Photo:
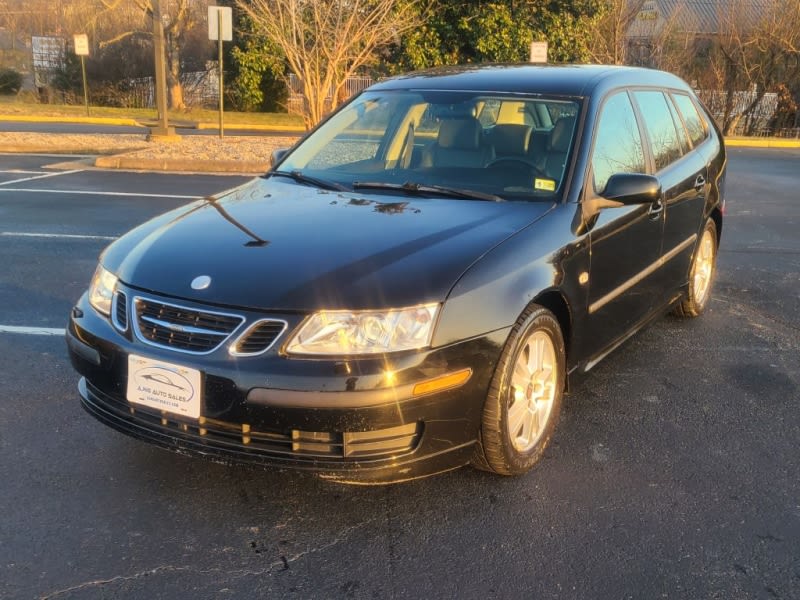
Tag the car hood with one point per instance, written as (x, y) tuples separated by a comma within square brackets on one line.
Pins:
[(278, 245)]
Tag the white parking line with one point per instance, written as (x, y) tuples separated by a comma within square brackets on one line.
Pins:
[(56, 174), (93, 193), (68, 236), (31, 330), (21, 172)]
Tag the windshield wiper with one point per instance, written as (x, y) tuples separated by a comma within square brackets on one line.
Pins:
[(300, 177), (423, 189)]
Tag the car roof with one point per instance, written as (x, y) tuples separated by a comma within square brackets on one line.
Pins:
[(561, 80)]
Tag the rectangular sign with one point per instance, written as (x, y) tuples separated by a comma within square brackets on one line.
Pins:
[(81, 42), (48, 52), (164, 386), (220, 15), (538, 52)]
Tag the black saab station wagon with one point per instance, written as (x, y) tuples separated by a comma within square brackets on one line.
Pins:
[(410, 287)]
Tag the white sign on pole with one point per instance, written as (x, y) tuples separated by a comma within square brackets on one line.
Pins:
[(81, 41), (538, 52), (220, 19)]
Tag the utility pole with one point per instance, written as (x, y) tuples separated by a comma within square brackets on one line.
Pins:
[(162, 129)]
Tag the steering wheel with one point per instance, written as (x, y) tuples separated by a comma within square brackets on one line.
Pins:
[(514, 161)]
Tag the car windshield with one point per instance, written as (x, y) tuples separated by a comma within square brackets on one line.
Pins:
[(458, 144)]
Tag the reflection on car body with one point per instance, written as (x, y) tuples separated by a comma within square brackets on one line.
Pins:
[(412, 286)]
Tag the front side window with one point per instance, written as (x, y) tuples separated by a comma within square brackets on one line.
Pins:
[(660, 126), (484, 142), (618, 144)]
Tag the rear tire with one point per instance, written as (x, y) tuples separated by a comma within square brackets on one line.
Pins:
[(701, 274), (524, 400)]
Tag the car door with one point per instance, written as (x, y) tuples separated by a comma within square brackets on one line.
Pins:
[(625, 242), (682, 173)]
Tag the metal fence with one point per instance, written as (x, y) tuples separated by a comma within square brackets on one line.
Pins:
[(295, 103), (200, 89), (758, 119)]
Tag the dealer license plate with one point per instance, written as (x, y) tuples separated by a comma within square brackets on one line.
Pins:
[(164, 386)]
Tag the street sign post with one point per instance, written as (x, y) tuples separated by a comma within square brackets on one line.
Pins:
[(81, 43), (220, 28)]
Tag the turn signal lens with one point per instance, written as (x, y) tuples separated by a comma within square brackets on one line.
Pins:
[(342, 333), (101, 290), (445, 382)]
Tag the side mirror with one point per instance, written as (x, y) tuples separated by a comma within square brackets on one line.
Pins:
[(632, 188), (622, 189), (277, 156)]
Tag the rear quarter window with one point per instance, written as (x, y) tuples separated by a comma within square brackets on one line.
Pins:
[(695, 125)]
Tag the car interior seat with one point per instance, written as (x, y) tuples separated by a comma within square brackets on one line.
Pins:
[(537, 147), (458, 144), (510, 140), (558, 147)]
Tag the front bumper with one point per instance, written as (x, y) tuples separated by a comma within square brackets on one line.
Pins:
[(356, 421)]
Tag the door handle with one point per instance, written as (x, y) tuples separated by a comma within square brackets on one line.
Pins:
[(656, 208), (699, 183)]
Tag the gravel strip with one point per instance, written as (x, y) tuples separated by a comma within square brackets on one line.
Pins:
[(65, 143), (194, 148), (209, 147)]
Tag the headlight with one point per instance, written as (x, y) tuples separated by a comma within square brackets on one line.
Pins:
[(365, 332), (101, 290)]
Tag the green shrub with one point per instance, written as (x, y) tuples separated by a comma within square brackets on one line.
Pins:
[(10, 81)]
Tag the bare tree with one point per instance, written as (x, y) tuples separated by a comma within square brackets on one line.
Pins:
[(608, 33), (753, 52), (326, 41), (180, 17)]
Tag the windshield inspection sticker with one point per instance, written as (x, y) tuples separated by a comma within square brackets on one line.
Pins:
[(548, 185), (164, 386)]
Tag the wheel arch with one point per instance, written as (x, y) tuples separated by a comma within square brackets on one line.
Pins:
[(556, 303), (716, 214)]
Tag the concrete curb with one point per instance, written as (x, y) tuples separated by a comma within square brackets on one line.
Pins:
[(297, 130), (132, 163), (761, 143), (80, 120), (51, 149)]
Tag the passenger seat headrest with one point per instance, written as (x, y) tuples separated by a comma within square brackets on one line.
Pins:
[(511, 139), (464, 134)]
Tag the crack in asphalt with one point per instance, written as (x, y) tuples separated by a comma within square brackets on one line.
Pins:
[(736, 302), (285, 561), (758, 251), (101, 582), (283, 564)]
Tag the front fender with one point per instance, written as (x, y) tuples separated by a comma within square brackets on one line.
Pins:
[(493, 292)]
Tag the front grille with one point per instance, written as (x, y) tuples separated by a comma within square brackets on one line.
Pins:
[(120, 311), (181, 328), (310, 445), (259, 338)]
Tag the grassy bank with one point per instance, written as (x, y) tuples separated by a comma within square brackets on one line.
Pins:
[(20, 106)]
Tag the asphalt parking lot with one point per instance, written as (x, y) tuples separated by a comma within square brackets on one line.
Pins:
[(674, 472)]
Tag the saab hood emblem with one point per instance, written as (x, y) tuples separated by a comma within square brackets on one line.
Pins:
[(201, 282)]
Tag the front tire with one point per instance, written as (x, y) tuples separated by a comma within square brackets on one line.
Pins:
[(701, 274), (524, 400)]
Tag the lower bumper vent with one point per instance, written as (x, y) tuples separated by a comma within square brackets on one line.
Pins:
[(380, 443)]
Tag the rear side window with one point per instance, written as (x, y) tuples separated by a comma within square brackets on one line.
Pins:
[(618, 145), (660, 127), (692, 119)]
